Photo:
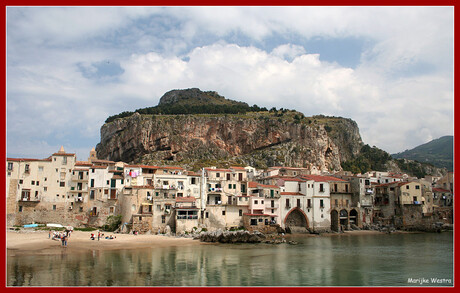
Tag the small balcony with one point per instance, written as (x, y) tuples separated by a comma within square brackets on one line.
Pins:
[(78, 199), (30, 199)]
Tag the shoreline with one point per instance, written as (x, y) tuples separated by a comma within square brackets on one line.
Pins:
[(31, 242), (38, 243)]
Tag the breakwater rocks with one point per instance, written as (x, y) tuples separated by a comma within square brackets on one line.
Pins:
[(232, 237)]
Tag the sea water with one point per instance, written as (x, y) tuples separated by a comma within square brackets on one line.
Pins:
[(419, 259)]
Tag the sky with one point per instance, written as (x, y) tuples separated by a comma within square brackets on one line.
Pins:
[(390, 69)]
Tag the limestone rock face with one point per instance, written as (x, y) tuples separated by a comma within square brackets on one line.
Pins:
[(257, 139)]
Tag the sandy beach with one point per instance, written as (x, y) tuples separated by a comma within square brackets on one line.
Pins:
[(37, 242)]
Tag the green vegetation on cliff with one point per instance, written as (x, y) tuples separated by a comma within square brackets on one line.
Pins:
[(370, 158)]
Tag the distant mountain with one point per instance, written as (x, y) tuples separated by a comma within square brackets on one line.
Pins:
[(438, 152)]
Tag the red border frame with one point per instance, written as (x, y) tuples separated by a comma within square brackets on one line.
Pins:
[(221, 3)]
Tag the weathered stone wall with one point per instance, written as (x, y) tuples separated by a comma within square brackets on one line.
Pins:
[(11, 203), (411, 217), (142, 226)]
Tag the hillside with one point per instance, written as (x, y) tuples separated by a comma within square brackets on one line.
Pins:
[(253, 136), (438, 152)]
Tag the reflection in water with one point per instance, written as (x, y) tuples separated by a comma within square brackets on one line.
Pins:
[(368, 260)]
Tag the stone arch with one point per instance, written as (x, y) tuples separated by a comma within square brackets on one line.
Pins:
[(354, 217), (335, 221), (296, 218), (343, 215)]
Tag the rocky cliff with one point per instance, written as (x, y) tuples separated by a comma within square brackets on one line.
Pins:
[(260, 139)]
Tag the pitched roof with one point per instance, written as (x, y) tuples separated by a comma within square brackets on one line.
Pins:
[(237, 168), (440, 190), (185, 199), (23, 160), (268, 186), (291, 193), (82, 163), (252, 184)]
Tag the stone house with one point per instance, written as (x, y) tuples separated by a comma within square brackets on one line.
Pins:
[(446, 182), (442, 197)]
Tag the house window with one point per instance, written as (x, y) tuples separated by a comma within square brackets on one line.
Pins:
[(321, 203), (45, 188), (64, 161), (228, 176), (229, 186), (417, 186), (163, 219), (223, 213), (33, 182), (272, 204), (309, 203), (321, 187), (91, 194), (234, 186), (38, 183), (54, 207), (27, 168), (20, 209), (256, 202), (207, 215), (62, 184), (192, 180), (260, 220), (240, 213), (253, 222), (407, 186), (20, 181), (10, 166), (92, 182), (287, 203), (298, 203), (80, 209), (217, 175), (111, 210), (25, 194)]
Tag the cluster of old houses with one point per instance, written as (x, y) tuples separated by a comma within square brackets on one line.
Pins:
[(61, 189)]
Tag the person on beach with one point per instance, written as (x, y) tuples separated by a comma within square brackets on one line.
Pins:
[(63, 241), (98, 235), (49, 235)]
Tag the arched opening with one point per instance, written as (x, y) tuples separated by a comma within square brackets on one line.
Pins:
[(335, 221), (354, 217), (344, 219), (296, 221)]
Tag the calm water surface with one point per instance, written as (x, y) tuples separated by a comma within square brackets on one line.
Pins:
[(362, 260)]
